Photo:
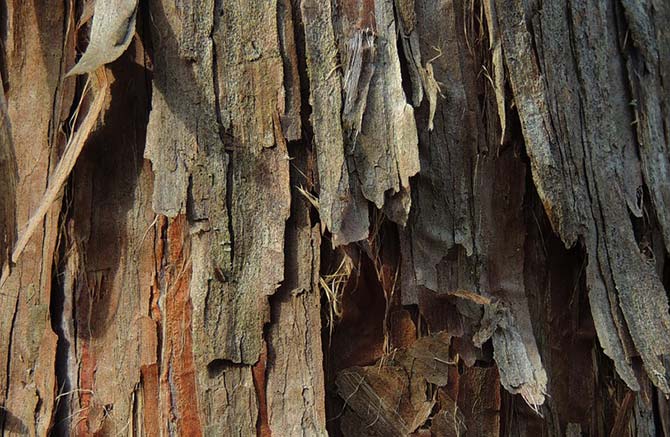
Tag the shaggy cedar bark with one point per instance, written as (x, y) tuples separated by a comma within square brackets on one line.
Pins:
[(356, 217)]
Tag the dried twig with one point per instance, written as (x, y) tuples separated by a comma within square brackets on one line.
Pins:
[(64, 168)]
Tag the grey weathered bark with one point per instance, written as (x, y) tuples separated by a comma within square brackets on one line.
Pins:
[(355, 217)]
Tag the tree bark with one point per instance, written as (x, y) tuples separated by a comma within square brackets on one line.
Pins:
[(355, 217)]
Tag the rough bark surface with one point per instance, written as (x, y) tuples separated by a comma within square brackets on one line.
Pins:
[(351, 217)]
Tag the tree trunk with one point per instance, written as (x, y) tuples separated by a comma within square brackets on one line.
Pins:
[(356, 218)]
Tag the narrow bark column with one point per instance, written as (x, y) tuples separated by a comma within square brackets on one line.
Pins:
[(38, 104), (251, 100), (295, 377), (108, 264), (7, 182), (190, 188), (342, 207), (216, 143)]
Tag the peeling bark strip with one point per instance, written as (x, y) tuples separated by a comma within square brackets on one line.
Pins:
[(517, 358), (580, 140), (442, 210), (290, 119), (381, 131), (221, 185), (467, 196), (341, 204), (498, 73), (360, 66), (295, 386), (647, 58), (206, 71), (379, 152), (250, 89), (183, 120)]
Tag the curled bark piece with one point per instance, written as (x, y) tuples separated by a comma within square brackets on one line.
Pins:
[(384, 401), (111, 32)]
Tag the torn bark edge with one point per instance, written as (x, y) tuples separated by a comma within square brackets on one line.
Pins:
[(517, 373)]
